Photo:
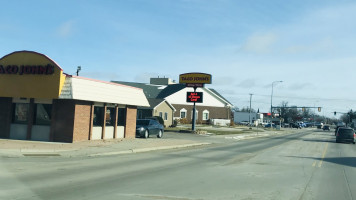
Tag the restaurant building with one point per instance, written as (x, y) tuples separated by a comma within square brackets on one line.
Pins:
[(40, 102)]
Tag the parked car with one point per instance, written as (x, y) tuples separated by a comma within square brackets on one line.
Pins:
[(326, 128), (147, 127), (295, 125), (269, 125), (345, 134)]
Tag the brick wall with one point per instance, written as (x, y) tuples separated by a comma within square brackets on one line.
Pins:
[(62, 120), (214, 112), (130, 129), (81, 121), (5, 116)]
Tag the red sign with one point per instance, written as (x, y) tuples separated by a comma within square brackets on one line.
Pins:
[(196, 97)]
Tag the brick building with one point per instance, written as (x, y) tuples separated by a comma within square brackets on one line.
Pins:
[(214, 105), (39, 102)]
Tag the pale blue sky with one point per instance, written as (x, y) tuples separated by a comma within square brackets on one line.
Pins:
[(245, 45)]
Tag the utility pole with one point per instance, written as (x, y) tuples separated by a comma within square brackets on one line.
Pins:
[(249, 116)]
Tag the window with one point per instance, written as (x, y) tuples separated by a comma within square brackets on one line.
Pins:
[(121, 118), (139, 114), (20, 113), (43, 114), (205, 115), (165, 116), (161, 115), (183, 113), (110, 116), (98, 116)]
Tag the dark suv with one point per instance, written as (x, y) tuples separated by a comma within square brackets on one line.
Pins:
[(345, 134)]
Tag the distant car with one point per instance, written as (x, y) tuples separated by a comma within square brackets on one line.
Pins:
[(147, 127), (269, 126), (326, 128), (345, 134), (295, 125)]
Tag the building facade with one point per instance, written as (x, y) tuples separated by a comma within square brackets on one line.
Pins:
[(40, 102)]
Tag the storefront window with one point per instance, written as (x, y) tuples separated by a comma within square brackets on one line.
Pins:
[(98, 116), (139, 114), (121, 117), (20, 113), (110, 116), (43, 114)]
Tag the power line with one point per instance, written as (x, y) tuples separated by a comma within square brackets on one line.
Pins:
[(298, 97)]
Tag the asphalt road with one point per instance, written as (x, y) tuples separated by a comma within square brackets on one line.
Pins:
[(305, 165)]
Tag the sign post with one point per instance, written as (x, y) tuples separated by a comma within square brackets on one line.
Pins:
[(195, 80)]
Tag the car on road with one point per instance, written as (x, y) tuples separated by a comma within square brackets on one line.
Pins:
[(147, 127), (337, 128), (326, 128), (345, 134)]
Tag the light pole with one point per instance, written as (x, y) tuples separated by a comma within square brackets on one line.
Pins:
[(272, 96)]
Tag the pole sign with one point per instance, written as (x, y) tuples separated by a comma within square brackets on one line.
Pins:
[(194, 80), (194, 97)]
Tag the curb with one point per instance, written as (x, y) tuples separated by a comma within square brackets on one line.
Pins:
[(141, 150)]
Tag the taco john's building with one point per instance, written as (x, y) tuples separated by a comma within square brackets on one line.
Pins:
[(39, 102)]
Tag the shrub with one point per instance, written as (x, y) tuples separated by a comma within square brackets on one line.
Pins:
[(184, 121)]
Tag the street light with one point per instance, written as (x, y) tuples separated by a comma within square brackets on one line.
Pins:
[(272, 95)]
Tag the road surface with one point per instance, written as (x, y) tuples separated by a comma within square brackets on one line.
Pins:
[(304, 165)]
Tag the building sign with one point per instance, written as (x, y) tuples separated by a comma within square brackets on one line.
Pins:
[(27, 69), (195, 78), (28, 74), (194, 97)]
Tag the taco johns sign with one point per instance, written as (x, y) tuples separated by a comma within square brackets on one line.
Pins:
[(27, 69)]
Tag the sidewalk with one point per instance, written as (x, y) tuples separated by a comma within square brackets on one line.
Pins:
[(171, 140), (21, 148)]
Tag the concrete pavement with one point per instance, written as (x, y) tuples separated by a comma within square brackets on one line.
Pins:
[(171, 140)]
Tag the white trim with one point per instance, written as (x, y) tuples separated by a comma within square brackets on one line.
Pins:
[(20, 100), (183, 110), (170, 105), (98, 104), (44, 101), (204, 112)]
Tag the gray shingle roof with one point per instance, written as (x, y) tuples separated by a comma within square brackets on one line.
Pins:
[(163, 91)]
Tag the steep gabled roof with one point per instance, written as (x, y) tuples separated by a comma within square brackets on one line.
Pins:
[(151, 91), (219, 95), (170, 89), (163, 91)]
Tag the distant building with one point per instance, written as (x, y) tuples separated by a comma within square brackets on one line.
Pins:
[(214, 105), (158, 107)]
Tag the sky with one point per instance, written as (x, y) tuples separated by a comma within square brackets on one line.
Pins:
[(244, 45)]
